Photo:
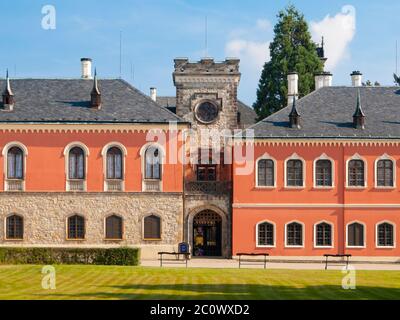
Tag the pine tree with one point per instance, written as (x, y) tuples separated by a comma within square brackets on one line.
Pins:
[(291, 50)]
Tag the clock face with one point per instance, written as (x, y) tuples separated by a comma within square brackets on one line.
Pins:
[(206, 112)]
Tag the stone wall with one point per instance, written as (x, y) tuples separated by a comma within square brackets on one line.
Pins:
[(220, 205), (45, 218)]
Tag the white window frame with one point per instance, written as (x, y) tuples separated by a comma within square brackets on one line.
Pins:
[(385, 157), (332, 235), (6, 148), (303, 234), (274, 226), (357, 157), (324, 157), (86, 151), (161, 227), (104, 152), (295, 156), (265, 157), (143, 163), (377, 235), (364, 235)]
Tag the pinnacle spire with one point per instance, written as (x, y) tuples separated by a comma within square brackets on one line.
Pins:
[(294, 116), (359, 115), (8, 90), (95, 95)]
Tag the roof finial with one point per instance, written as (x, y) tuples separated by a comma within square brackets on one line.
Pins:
[(323, 42), (8, 96), (359, 115), (95, 95), (294, 116), (8, 85)]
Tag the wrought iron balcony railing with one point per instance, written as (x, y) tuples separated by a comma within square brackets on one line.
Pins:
[(217, 188)]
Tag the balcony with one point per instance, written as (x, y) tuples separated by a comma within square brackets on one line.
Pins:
[(114, 185), (214, 188), (76, 185), (151, 185), (14, 185)]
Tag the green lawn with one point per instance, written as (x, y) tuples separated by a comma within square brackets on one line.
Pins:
[(96, 282)]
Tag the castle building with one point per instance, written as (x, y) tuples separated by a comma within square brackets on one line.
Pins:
[(96, 163), (325, 178), (90, 162)]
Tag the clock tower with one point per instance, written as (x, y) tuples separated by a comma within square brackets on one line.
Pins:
[(206, 93)]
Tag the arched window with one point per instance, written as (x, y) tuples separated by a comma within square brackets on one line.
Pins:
[(384, 173), (77, 164), (356, 177), (76, 227), (385, 235), (355, 235), (323, 235), (323, 173), (265, 234), (294, 173), (294, 234), (152, 228), (114, 228), (266, 173), (114, 164), (14, 227), (15, 164), (153, 163)]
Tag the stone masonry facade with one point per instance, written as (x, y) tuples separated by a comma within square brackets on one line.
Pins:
[(45, 218)]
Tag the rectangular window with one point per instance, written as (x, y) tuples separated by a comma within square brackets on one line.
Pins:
[(385, 173), (324, 235), (356, 173), (265, 234), (266, 173), (323, 172), (295, 173), (355, 235), (294, 234)]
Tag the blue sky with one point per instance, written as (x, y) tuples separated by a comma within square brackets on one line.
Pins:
[(361, 35)]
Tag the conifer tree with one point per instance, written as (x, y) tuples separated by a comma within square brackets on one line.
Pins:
[(291, 50)]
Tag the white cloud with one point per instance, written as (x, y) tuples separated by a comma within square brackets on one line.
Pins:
[(338, 32), (263, 24)]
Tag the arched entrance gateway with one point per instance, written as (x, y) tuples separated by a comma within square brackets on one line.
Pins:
[(207, 234)]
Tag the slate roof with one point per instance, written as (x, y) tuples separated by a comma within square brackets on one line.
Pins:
[(247, 114), (328, 113), (68, 101)]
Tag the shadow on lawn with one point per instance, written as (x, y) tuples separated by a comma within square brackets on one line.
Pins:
[(234, 292)]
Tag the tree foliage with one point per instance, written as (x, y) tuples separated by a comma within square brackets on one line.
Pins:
[(291, 50)]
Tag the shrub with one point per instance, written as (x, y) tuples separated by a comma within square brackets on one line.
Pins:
[(117, 256)]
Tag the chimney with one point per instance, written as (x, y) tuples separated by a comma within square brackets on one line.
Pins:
[(356, 79), (293, 87), (153, 94), (8, 95), (86, 64), (323, 79), (95, 101)]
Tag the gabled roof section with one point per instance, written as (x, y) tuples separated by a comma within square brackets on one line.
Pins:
[(327, 113), (68, 101)]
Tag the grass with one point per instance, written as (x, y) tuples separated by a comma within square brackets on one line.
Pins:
[(97, 282)]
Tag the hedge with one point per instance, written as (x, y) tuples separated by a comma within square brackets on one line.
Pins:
[(117, 256)]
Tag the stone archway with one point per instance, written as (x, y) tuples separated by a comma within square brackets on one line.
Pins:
[(217, 223)]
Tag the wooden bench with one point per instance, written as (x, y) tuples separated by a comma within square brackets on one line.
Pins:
[(346, 262), (177, 259), (252, 261)]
